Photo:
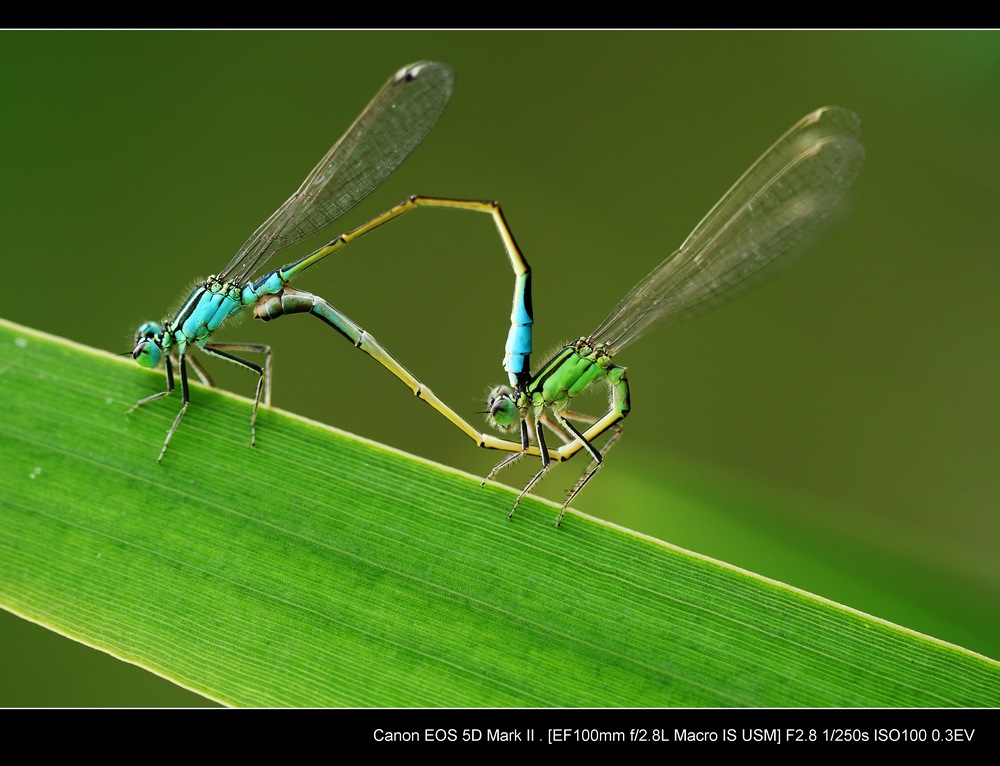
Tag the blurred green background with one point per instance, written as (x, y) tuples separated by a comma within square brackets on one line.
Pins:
[(838, 429)]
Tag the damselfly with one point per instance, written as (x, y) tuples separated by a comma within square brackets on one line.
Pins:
[(784, 195)]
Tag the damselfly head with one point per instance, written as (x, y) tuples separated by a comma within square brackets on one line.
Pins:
[(147, 350), (501, 409)]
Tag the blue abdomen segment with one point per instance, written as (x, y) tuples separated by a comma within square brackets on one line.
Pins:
[(517, 356), (517, 359), (269, 284)]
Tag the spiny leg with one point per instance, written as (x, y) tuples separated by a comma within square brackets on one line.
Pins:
[(185, 398), (546, 463), (263, 374), (621, 406), (597, 455), (574, 437), (168, 366), (253, 348), (518, 454), (214, 349), (558, 430), (619, 410)]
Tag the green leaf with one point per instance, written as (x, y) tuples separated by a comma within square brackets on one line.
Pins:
[(319, 569)]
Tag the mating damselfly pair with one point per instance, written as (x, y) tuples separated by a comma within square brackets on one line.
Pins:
[(784, 195)]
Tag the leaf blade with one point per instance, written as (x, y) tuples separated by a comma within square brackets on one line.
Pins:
[(323, 570)]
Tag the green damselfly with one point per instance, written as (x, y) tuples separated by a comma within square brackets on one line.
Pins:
[(784, 195)]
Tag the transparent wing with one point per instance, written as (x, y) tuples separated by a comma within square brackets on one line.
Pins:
[(393, 124), (782, 197)]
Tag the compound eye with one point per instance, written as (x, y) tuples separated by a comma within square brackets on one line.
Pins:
[(147, 331), (147, 353), (501, 409)]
